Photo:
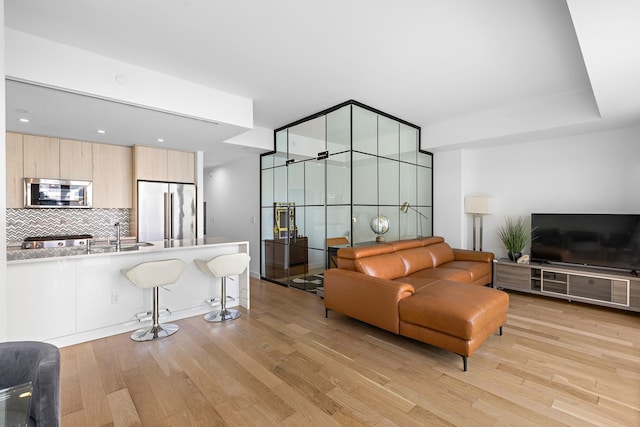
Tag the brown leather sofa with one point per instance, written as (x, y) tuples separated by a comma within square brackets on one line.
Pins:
[(422, 289)]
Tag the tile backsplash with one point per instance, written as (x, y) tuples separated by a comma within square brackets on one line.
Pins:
[(23, 223)]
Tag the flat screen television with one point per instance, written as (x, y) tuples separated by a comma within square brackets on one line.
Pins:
[(600, 240)]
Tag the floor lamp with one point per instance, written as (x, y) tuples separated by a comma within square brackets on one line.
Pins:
[(477, 206)]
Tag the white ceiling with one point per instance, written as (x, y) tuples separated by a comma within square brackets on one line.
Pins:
[(466, 71)]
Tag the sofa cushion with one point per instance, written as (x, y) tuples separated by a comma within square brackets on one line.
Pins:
[(355, 252), (468, 255), (417, 282), (385, 266), (443, 273), (431, 240), (347, 256), (416, 259), (453, 308), (399, 245), (475, 269), (440, 253)]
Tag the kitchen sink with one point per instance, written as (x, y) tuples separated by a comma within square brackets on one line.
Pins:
[(125, 247)]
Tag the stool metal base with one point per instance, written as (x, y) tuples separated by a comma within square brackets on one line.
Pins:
[(163, 330), (222, 315)]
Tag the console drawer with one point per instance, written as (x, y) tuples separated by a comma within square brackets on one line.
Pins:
[(512, 277)]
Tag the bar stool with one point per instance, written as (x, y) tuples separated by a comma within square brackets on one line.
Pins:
[(154, 274), (223, 266)]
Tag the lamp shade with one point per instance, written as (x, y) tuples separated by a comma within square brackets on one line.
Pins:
[(479, 205)]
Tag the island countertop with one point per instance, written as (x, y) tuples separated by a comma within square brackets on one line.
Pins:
[(19, 255)]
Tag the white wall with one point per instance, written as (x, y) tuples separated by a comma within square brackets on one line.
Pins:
[(447, 187), (232, 194), (597, 172)]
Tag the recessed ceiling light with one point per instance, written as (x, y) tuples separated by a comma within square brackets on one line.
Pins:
[(102, 131), (23, 120), (160, 140)]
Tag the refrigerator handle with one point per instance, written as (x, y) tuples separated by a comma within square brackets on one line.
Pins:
[(167, 219), (171, 215)]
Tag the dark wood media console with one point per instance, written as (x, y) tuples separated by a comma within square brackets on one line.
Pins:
[(284, 260)]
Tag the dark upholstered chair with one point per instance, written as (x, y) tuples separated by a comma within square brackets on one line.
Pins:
[(39, 363)]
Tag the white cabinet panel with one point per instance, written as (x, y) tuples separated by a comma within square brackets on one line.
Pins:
[(41, 301), (105, 296)]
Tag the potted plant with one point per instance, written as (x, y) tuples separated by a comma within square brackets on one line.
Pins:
[(515, 234)]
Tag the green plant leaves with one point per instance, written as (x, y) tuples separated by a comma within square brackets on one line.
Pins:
[(515, 233)]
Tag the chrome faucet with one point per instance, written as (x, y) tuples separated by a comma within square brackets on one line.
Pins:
[(117, 227)]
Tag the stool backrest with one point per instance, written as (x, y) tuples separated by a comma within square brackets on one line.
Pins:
[(156, 273), (228, 265)]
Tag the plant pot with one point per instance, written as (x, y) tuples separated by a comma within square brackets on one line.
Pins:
[(514, 256)]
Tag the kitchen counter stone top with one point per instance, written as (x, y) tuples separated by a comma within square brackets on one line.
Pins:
[(19, 255)]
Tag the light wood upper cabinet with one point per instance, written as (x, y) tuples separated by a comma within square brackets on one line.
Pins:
[(15, 183), (112, 176), (41, 156), (180, 166), (76, 160), (150, 163), (109, 167), (159, 164), (54, 158)]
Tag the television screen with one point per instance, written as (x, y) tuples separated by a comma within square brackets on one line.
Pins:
[(603, 240)]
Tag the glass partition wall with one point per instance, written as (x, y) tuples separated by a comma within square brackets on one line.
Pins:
[(349, 175)]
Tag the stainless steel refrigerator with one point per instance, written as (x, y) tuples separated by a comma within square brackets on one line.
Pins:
[(166, 211)]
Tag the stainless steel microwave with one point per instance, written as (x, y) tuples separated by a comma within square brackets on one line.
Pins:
[(57, 193)]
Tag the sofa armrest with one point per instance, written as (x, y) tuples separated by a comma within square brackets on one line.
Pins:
[(38, 362), (366, 298), (467, 255)]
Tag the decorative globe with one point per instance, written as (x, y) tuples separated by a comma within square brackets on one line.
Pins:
[(380, 225)]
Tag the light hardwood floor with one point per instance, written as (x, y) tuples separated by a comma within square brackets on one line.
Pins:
[(283, 363)]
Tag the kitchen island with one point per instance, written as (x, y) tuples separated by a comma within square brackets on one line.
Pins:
[(66, 296)]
